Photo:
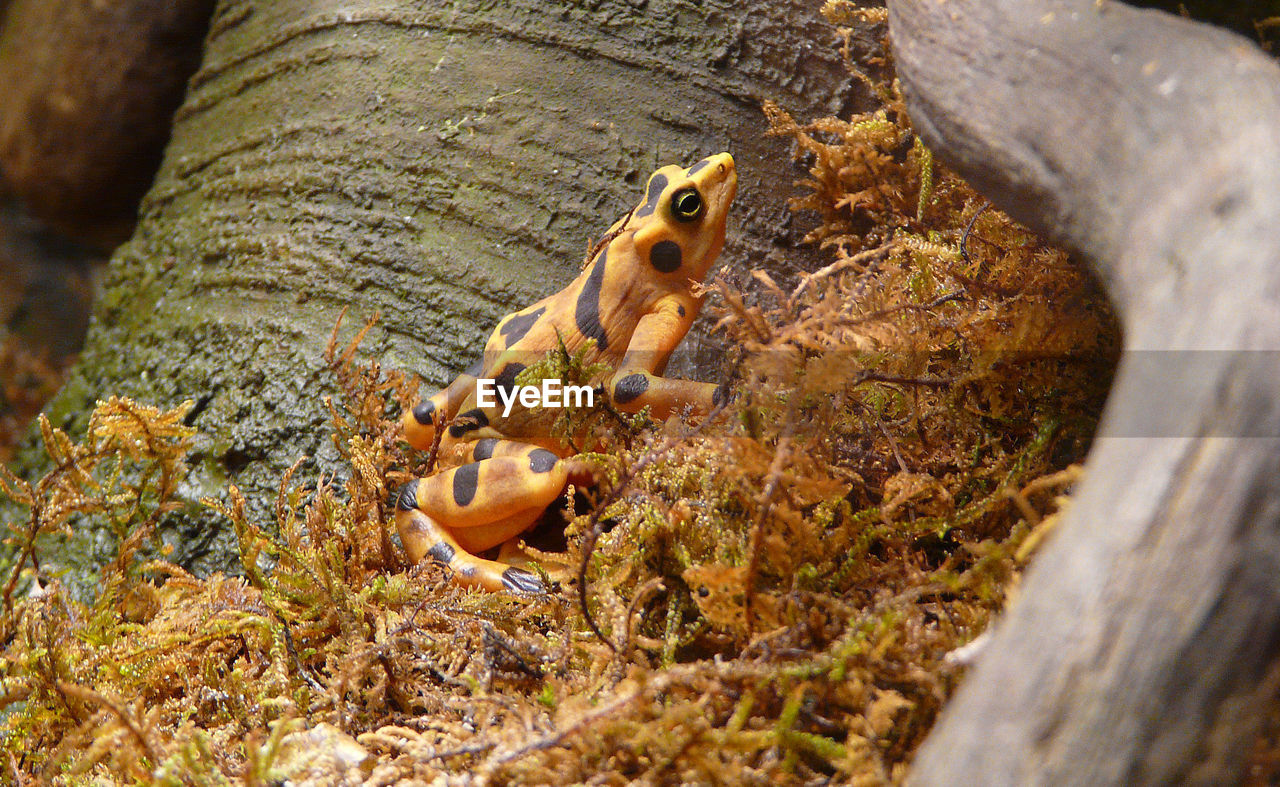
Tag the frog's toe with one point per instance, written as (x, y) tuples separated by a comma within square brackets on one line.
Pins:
[(522, 581)]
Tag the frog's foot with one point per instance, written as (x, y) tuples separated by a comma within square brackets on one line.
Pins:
[(424, 538), (635, 389), (512, 553), (522, 580)]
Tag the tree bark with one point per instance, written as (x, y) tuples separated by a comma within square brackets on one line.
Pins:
[(1143, 646), (437, 163)]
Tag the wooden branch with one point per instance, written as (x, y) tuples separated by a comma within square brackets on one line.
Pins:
[(1143, 647)]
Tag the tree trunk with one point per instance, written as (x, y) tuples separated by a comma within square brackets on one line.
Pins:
[(1143, 646), (437, 163)]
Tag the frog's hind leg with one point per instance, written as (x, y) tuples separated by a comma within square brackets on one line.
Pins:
[(481, 504), (423, 537)]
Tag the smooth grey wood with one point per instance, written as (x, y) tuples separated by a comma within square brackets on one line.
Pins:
[(1142, 646)]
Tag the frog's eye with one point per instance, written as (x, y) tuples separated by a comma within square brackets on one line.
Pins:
[(686, 205)]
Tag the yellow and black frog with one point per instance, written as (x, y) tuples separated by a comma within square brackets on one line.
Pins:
[(628, 310)]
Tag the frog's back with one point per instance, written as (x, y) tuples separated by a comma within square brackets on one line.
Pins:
[(644, 272), (570, 317)]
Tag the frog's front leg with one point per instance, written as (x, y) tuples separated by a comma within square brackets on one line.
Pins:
[(497, 495), (637, 384), (419, 422)]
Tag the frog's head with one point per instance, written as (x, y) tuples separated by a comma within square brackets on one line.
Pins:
[(679, 227)]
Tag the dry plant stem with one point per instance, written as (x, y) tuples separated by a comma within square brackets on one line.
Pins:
[(292, 649), (968, 229), (643, 594), (27, 552), (594, 248), (863, 259), (673, 677), (880, 314), (1151, 146)]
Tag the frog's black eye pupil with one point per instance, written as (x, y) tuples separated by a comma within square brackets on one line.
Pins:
[(686, 205)]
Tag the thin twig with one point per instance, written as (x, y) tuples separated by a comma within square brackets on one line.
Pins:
[(608, 237), (297, 662), (872, 256), (646, 590), (964, 238)]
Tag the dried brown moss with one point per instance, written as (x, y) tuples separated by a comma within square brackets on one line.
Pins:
[(771, 594)]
